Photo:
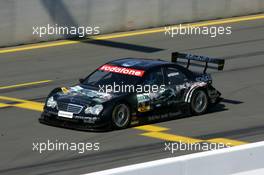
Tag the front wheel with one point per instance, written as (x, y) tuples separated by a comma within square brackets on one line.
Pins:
[(199, 102), (121, 116)]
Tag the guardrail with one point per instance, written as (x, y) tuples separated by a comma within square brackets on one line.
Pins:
[(241, 160), (17, 18)]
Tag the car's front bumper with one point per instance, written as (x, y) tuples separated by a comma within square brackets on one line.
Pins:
[(52, 118)]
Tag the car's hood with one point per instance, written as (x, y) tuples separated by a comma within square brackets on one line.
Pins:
[(85, 96)]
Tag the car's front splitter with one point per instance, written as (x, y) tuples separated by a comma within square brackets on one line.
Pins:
[(75, 124)]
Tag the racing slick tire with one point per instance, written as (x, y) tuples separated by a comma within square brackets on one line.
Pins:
[(121, 116), (199, 102)]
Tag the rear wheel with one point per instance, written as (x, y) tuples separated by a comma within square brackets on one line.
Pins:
[(121, 116), (199, 102)]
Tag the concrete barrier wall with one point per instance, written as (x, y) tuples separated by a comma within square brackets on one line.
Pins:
[(17, 17), (240, 160)]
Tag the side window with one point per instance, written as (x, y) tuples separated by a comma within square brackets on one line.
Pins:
[(154, 77), (174, 76)]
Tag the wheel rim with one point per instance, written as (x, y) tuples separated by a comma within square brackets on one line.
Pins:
[(121, 115), (200, 102)]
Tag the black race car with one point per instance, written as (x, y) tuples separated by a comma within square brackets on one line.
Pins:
[(129, 91)]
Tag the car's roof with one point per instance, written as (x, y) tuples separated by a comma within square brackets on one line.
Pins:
[(139, 63)]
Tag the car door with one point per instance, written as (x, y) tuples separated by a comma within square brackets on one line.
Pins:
[(151, 101), (176, 86)]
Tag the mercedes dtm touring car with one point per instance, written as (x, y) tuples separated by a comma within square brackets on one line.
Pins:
[(126, 91)]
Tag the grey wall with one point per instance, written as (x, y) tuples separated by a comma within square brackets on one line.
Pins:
[(17, 17)]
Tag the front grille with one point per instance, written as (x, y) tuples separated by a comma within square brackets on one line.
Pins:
[(75, 109), (62, 106)]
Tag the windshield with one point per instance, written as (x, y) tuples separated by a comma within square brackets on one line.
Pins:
[(100, 78)]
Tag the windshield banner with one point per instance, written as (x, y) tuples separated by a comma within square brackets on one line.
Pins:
[(122, 70)]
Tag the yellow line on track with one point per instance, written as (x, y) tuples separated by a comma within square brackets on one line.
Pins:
[(25, 84), (26, 104), (198, 24), (177, 138), (35, 106), (2, 105), (229, 142), (152, 131), (151, 128), (37, 46), (157, 132), (171, 137), (132, 33), (13, 99)]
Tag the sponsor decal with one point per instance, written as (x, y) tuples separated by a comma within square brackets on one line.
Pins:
[(143, 97), (130, 63), (199, 58), (143, 102), (134, 123), (65, 90), (158, 117), (173, 74), (122, 70), (76, 88), (205, 78), (143, 107), (97, 96), (65, 114)]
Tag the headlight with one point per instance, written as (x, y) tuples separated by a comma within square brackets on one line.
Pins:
[(51, 102), (95, 110)]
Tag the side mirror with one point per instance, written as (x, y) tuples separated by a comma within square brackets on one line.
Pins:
[(81, 80)]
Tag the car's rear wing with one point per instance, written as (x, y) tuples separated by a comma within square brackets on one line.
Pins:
[(219, 62)]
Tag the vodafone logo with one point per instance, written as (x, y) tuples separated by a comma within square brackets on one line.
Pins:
[(122, 70)]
